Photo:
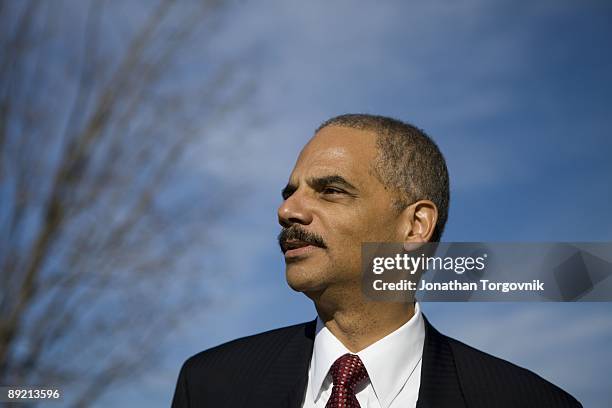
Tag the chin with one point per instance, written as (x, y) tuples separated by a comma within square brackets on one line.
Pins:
[(304, 279)]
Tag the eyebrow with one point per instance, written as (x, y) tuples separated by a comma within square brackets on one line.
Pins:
[(318, 183)]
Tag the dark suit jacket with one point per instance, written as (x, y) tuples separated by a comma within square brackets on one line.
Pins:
[(271, 370)]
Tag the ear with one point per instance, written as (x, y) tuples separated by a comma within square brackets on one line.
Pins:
[(418, 222)]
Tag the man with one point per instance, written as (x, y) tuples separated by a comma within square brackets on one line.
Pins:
[(361, 178)]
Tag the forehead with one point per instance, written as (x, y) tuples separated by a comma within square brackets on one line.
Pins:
[(338, 150)]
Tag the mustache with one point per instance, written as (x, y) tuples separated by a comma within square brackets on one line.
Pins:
[(295, 233)]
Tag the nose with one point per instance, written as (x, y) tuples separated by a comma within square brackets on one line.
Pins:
[(294, 210)]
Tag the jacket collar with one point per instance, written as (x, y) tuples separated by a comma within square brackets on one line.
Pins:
[(439, 379)]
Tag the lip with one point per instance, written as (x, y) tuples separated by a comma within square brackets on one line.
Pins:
[(296, 252)]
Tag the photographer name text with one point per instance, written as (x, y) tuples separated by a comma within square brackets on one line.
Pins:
[(483, 284)]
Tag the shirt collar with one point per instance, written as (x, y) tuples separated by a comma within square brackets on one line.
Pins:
[(390, 361)]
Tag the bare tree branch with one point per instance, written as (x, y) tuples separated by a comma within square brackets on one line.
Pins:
[(88, 230), (69, 173)]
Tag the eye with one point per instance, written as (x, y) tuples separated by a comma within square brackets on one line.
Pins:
[(332, 190)]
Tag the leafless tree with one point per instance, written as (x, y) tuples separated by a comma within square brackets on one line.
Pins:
[(99, 103)]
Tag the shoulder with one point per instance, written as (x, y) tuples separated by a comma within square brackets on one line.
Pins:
[(212, 376), (245, 352), (489, 379)]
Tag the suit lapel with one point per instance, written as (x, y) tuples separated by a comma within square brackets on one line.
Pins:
[(284, 382), (304, 343), (439, 380), (287, 374)]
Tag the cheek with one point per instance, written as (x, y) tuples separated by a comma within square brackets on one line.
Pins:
[(347, 237), (373, 227), (347, 229)]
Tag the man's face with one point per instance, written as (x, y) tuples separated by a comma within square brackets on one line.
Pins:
[(333, 203)]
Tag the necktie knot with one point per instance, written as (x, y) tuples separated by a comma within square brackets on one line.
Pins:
[(347, 371)]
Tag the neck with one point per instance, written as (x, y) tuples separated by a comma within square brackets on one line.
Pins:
[(359, 323)]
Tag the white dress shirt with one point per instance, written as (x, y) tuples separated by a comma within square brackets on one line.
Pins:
[(393, 364)]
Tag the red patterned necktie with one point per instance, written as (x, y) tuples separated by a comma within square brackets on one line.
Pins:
[(347, 371)]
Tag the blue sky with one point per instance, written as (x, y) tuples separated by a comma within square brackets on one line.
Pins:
[(517, 95)]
